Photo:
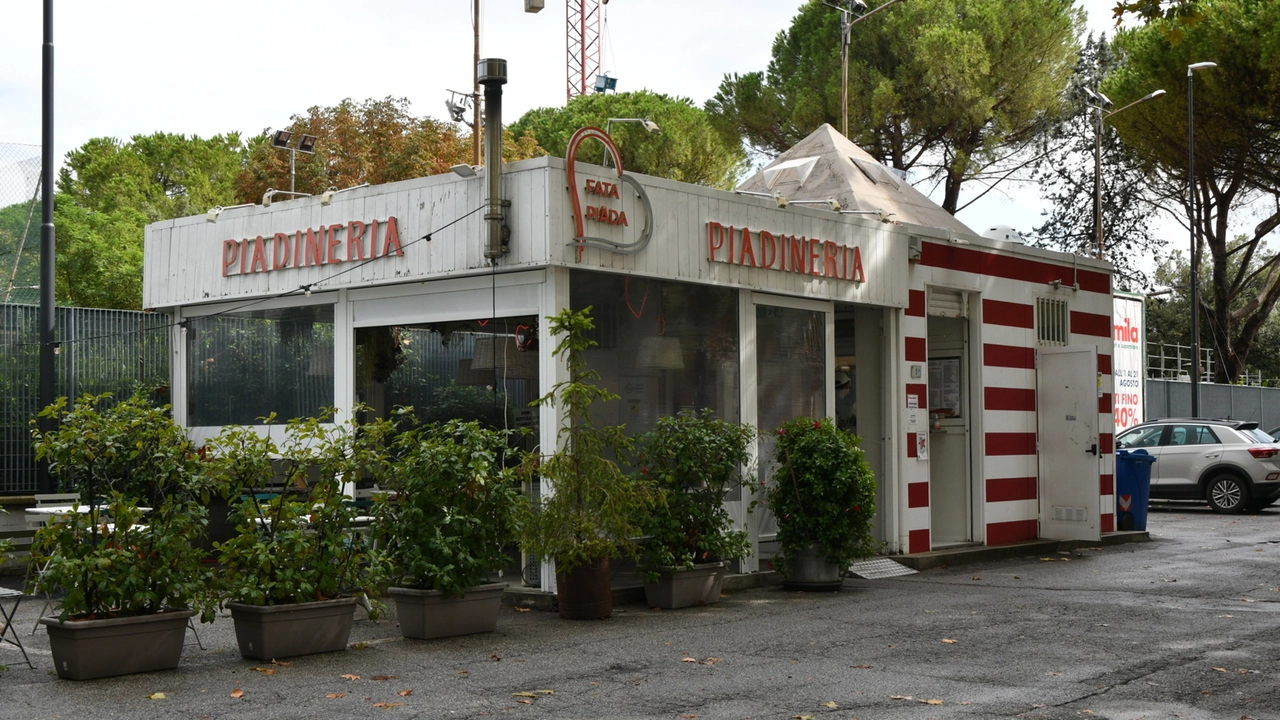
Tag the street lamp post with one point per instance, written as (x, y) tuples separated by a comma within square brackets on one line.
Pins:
[(1195, 244), (853, 13), (1102, 103)]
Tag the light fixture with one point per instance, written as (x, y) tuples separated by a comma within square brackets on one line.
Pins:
[(854, 12), (271, 193), (831, 203), (326, 197), (1101, 103), (649, 126), (780, 200), (281, 138), (463, 170), (306, 144), (215, 211)]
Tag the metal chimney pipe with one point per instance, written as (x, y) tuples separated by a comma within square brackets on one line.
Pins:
[(493, 75)]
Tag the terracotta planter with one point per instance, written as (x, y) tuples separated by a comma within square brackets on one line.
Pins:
[(267, 632), (585, 593), (809, 570), (426, 614), (88, 649), (699, 585)]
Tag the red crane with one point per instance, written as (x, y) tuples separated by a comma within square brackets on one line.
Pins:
[(582, 40)]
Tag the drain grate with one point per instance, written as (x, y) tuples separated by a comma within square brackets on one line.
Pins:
[(879, 568)]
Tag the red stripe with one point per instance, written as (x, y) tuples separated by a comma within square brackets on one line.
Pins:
[(1104, 364), (1006, 489), (1011, 532), (999, 312), (999, 398), (921, 391), (1108, 523), (1104, 404), (916, 349), (915, 303), (917, 494), (911, 445), (1107, 484), (1106, 441), (1013, 268), (1010, 443), (1009, 356), (1083, 323), (918, 541)]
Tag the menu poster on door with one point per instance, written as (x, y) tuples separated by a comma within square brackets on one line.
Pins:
[(944, 386), (1129, 347)]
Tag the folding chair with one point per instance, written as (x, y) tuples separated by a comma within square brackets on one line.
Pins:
[(8, 633)]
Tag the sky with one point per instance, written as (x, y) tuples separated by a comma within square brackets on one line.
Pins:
[(198, 67)]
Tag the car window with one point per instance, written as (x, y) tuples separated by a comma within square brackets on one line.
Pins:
[(1191, 435), (1140, 437), (1258, 435)]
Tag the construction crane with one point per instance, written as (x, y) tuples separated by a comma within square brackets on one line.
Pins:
[(582, 43)]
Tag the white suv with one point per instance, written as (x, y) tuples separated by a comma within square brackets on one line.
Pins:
[(1232, 465)]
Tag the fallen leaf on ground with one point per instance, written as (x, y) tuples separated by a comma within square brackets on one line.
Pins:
[(348, 677), (901, 697), (386, 705), (524, 694), (526, 701), (931, 701), (405, 693), (688, 717), (1206, 692), (1046, 559), (1037, 705), (494, 657), (331, 696), (595, 684), (801, 717), (385, 677), (1220, 669), (522, 609), (156, 696), (359, 645), (265, 671), (545, 692), (281, 662), (711, 661), (689, 659), (861, 667), (1226, 616), (237, 693), (949, 641), (830, 704), (975, 577), (463, 672)]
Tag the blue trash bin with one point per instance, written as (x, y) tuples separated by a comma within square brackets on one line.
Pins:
[(1133, 488)]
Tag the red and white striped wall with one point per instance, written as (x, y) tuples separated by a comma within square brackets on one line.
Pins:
[(1003, 281)]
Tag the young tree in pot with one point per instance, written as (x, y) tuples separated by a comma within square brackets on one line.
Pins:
[(592, 510), (296, 568), (693, 459), (444, 528), (129, 556), (823, 497)]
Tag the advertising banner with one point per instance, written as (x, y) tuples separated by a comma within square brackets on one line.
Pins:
[(1127, 360)]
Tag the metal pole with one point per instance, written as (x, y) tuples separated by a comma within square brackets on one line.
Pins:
[(475, 91), (1195, 259), (48, 244), (493, 75), (292, 153), (1097, 181), (844, 74)]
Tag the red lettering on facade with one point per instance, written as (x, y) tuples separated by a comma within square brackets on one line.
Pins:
[(857, 276), (1126, 333), (231, 252), (768, 249), (747, 250), (279, 251), (785, 253), (259, 263), (355, 238), (600, 187), (314, 251), (829, 259), (798, 252), (715, 239), (393, 238), (334, 243)]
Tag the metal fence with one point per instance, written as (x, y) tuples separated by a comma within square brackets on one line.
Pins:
[(114, 351), (1166, 398)]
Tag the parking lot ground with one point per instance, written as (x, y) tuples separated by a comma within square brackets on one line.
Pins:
[(1184, 626)]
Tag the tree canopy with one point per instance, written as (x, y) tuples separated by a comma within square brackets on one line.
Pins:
[(1237, 153), (374, 141), (688, 148), (956, 88)]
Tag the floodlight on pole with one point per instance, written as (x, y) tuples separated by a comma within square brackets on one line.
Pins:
[(1100, 104), (649, 126), (852, 13), (1195, 255), (306, 144)]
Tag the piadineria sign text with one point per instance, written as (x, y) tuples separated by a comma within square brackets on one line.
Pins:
[(326, 245), (785, 253)]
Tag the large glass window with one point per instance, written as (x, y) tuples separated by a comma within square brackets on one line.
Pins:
[(244, 366), (662, 346), (485, 370)]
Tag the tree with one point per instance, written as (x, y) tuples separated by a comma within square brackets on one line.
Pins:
[(108, 191), (19, 250), (1065, 173), (957, 88), (688, 149), (1237, 152), (375, 142)]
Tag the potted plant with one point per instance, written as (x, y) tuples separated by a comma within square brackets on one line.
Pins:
[(295, 568), (693, 459), (444, 527), (823, 497), (591, 510), (129, 558)]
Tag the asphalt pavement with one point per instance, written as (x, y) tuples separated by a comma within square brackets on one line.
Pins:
[(1184, 626)]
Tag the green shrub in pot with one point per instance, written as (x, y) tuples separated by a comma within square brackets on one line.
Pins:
[(694, 459), (822, 494)]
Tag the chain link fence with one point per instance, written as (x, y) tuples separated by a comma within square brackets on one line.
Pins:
[(20, 210)]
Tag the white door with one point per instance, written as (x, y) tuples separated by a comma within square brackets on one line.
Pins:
[(1067, 408)]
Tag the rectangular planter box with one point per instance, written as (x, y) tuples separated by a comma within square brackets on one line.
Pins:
[(686, 588), (88, 649), (426, 614), (267, 632)]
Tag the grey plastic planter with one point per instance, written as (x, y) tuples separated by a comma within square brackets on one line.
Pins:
[(700, 585), (427, 614), (267, 632), (88, 649), (809, 570)]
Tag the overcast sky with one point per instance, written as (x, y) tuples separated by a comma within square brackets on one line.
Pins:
[(194, 67)]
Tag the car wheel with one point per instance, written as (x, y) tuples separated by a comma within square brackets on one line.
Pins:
[(1227, 494)]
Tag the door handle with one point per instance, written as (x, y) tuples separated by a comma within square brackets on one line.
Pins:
[(1093, 449)]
